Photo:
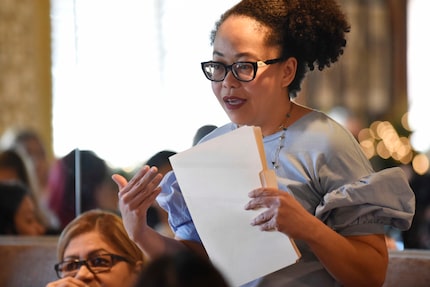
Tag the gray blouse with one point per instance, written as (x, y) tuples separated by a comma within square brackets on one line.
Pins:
[(323, 166)]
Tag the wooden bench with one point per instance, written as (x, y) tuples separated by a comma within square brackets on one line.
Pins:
[(408, 268), (27, 261)]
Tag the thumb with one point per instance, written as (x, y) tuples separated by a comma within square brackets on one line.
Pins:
[(119, 180)]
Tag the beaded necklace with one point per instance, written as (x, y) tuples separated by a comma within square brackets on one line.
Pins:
[(283, 127)]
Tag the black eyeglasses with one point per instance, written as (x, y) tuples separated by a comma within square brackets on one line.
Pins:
[(96, 264), (242, 71)]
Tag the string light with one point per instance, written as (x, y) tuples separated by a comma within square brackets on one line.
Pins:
[(381, 139)]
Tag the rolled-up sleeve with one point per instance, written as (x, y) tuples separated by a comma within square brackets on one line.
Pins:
[(172, 200), (367, 205)]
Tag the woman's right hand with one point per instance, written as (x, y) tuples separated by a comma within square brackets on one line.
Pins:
[(135, 197)]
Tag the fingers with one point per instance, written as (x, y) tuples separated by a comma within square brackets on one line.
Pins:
[(145, 198), (119, 180), (263, 191), (142, 173), (140, 192), (266, 220), (262, 198), (145, 178), (268, 198), (135, 179)]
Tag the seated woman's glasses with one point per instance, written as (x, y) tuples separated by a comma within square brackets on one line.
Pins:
[(96, 264)]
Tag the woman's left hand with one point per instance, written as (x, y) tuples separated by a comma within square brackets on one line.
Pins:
[(283, 212)]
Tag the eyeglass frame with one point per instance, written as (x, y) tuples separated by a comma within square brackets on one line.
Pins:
[(228, 68), (114, 260)]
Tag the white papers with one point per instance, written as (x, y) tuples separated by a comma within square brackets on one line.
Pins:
[(215, 178)]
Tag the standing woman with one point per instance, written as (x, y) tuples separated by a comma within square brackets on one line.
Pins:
[(329, 199)]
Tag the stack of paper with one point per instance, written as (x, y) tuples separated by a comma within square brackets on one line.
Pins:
[(215, 178)]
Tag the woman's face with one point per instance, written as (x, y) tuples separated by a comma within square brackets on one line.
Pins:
[(26, 222), (122, 274), (8, 173), (263, 101)]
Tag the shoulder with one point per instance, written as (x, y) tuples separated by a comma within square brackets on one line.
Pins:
[(317, 133), (320, 125)]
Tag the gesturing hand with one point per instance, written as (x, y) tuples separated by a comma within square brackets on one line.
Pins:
[(135, 197)]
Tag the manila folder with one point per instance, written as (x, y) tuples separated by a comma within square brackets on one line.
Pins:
[(215, 178)]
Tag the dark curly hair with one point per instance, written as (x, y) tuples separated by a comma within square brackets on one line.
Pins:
[(312, 31)]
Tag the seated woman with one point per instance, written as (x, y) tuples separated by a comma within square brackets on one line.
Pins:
[(14, 165), (18, 214), (94, 248)]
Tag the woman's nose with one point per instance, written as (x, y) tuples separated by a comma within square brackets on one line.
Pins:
[(84, 272), (230, 80), (40, 229)]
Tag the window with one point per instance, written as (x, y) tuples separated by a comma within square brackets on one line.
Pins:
[(418, 63), (127, 81)]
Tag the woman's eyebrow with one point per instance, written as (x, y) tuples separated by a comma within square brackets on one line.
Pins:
[(89, 254), (239, 55)]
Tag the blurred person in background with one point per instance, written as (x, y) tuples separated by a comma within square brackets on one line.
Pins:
[(418, 236), (14, 165), (17, 211), (62, 180), (202, 132), (106, 195), (31, 145), (182, 269)]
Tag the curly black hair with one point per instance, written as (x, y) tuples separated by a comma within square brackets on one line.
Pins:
[(312, 31)]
